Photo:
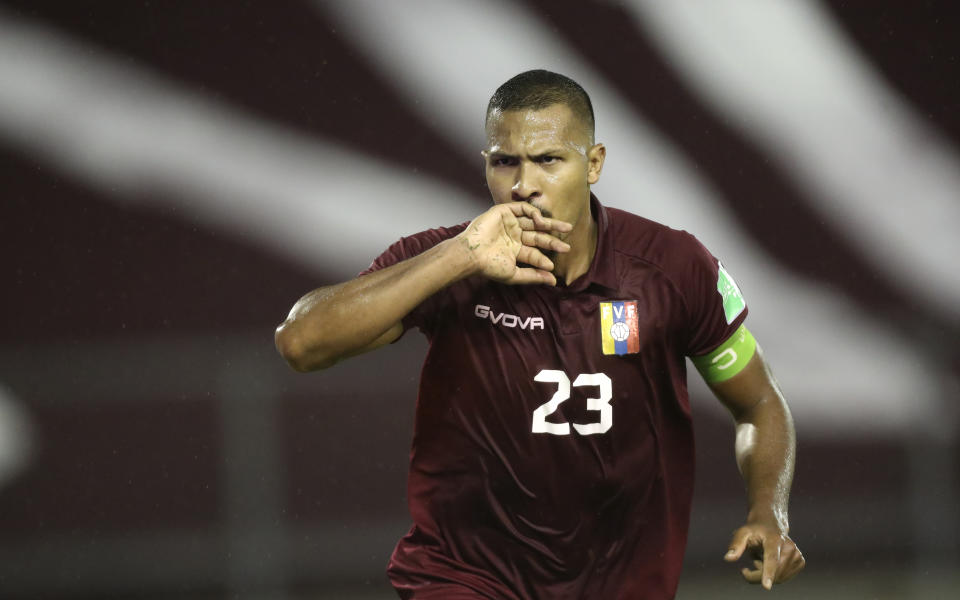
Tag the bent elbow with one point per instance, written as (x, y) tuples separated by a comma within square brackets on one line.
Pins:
[(293, 350), (288, 346)]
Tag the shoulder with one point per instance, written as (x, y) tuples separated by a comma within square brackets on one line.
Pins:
[(636, 238), (424, 240), (412, 245), (709, 306)]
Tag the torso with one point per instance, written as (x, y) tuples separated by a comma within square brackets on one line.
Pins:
[(540, 466)]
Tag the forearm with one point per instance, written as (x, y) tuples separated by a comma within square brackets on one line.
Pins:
[(765, 448), (331, 323)]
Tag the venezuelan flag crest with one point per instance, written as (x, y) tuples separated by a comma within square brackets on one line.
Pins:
[(618, 327)]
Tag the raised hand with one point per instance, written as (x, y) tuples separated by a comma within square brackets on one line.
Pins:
[(776, 557), (513, 233)]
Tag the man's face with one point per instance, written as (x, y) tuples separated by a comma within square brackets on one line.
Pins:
[(543, 157)]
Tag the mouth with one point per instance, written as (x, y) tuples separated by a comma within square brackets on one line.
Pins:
[(543, 211)]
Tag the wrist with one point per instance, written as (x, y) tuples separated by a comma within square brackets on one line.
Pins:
[(770, 515), (457, 255)]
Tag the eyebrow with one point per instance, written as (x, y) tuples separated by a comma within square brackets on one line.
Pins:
[(545, 153), (549, 152)]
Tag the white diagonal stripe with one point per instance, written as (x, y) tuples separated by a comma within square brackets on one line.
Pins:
[(787, 77), (131, 134)]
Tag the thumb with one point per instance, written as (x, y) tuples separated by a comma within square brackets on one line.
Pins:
[(737, 545)]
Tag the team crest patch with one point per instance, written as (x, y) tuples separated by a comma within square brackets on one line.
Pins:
[(618, 327)]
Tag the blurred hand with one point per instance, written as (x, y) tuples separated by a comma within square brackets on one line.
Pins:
[(776, 558), (512, 233)]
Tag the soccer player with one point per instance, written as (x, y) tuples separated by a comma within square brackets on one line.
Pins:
[(552, 452)]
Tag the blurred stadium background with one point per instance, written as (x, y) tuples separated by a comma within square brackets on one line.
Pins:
[(177, 174)]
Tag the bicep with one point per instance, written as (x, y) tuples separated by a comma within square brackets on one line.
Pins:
[(737, 373), (742, 392)]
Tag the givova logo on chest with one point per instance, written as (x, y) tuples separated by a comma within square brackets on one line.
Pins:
[(507, 320)]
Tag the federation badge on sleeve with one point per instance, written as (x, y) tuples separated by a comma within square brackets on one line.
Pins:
[(733, 302), (618, 327)]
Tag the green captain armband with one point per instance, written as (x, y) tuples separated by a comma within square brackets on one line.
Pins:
[(728, 359)]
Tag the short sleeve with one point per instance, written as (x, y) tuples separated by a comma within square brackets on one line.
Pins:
[(423, 316), (715, 305)]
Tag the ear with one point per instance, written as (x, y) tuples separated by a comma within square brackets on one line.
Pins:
[(595, 157)]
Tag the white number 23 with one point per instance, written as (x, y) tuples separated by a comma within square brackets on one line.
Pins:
[(601, 404)]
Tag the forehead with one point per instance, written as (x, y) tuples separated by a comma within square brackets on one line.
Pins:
[(516, 130)]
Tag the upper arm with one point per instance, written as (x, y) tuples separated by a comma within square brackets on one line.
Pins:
[(737, 373), (404, 249), (744, 391)]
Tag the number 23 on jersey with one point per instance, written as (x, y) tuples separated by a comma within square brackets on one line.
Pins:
[(600, 404)]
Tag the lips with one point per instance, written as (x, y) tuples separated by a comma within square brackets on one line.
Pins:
[(544, 211)]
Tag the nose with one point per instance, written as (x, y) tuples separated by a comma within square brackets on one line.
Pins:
[(525, 187)]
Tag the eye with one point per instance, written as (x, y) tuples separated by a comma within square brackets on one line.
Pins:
[(501, 161), (549, 160)]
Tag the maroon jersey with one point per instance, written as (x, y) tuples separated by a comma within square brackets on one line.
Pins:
[(542, 467)]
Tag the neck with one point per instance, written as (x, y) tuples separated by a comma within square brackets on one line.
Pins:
[(569, 266)]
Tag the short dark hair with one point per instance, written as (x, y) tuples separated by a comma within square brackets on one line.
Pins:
[(538, 89)]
